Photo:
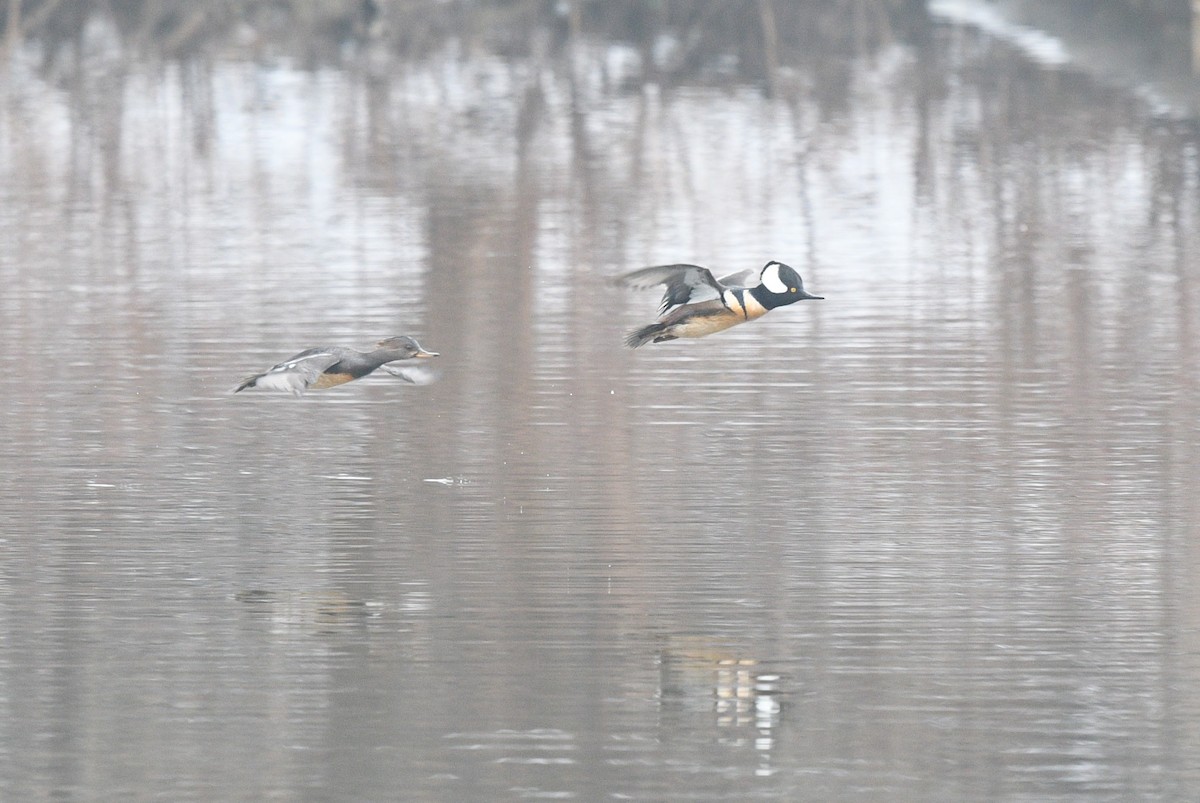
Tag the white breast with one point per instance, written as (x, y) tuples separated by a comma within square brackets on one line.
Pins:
[(731, 301)]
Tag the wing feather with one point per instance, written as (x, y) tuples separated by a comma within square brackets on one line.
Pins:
[(686, 284), (741, 279), (416, 372), (293, 375)]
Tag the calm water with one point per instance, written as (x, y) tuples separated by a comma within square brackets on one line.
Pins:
[(933, 538)]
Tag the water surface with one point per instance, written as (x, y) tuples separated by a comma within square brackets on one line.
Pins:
[(931, 538)]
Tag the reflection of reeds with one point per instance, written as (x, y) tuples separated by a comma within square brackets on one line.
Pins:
[(707, 36), (707, 32)]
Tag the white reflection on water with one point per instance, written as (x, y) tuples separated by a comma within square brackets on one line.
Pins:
[(928, 538)]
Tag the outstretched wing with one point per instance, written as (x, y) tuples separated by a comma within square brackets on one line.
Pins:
[(686, 284), (417, 372), (743, 278), (294, 375)]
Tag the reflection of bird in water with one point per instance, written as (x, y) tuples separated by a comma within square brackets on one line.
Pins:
[(703, 304), (737, 688), (303, 609), (334, 365)]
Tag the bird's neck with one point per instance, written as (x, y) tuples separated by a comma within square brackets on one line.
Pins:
[(768, 299), (381, 356)]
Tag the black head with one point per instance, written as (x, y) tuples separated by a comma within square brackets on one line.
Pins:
[(404, 347), (780, 284)]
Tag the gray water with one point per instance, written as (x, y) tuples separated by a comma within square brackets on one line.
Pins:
[(932, 538)]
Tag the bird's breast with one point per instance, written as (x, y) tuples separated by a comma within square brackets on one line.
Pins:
[(698, 320), (329, 380), (742, 302)]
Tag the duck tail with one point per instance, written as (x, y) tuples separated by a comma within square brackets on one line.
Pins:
[(248, 382), (640, 337)]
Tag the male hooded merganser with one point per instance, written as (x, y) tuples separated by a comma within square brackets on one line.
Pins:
[(703, 304), (333, 365)]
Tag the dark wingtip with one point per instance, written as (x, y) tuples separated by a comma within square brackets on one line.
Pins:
[(622, 279)]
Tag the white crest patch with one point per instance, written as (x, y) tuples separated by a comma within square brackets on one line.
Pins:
[(771, 280)]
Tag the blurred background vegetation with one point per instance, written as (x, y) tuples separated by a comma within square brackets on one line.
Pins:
[(718, 35), (676, 41)]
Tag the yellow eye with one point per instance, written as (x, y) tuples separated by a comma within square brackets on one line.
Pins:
[(793, 289)]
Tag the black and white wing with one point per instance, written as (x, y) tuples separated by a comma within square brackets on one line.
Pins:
[(416, 372), (686, 284), (293, 375)]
